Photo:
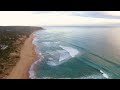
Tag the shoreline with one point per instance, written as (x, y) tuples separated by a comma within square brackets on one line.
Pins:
[(27, 57)]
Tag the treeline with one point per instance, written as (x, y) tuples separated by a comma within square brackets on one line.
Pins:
[(9, 34), (20, 29)]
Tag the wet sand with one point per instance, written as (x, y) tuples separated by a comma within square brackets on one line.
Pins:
[(27, 57)]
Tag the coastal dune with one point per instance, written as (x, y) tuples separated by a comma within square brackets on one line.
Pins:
[(27, 57)]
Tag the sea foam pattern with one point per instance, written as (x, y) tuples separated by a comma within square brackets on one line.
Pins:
[(76, 52)]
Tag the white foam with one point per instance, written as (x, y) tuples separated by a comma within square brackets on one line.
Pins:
[(73, 52), (104, 74), (40, 54), (35, 40), (50, 58), (51, 63), (32, 74), (46, 43), (57, 42), (31, 70), (92, 77), (51, 52), (63, 55)]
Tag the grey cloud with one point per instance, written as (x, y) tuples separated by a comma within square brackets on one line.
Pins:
[(95, 14)]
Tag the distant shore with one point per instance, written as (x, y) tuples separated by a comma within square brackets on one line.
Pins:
[(27, 57)]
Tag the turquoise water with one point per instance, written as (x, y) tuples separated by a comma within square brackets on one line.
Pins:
[(78, 52)]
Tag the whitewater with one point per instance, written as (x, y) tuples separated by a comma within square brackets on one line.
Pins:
[(76, 53)]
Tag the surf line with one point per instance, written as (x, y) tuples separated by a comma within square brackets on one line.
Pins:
[(73, 52), (104, 74)]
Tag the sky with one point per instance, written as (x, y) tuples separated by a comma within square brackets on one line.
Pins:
[(59, 18)]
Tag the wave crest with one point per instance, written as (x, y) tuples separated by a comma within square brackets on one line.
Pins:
[(104, 74), (72, 51)]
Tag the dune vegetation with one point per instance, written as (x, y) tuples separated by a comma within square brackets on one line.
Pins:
[(11, 40)]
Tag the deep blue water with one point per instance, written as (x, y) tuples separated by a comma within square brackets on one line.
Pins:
[(78, 52)]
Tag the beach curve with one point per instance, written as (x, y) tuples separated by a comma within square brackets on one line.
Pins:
[(27, 57)]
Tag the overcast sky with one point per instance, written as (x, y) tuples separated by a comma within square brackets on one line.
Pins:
[(59, 18)]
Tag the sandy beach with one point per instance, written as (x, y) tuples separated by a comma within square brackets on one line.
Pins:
[(27, 57)]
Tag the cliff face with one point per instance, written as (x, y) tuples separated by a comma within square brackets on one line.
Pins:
[(11, 40)]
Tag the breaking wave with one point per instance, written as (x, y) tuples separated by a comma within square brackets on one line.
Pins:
[(104, 74), (92, 77), (57, 55), (64, 55), (49, 44), (73, 52), (32, 69)]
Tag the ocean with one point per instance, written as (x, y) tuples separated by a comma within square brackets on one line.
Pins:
[(77, 53)]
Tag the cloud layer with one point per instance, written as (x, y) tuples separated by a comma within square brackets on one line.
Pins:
[(59, 18)]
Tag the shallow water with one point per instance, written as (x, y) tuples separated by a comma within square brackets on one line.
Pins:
[(78, 52)]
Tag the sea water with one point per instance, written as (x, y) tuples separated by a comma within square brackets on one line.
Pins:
[(77, 53)]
